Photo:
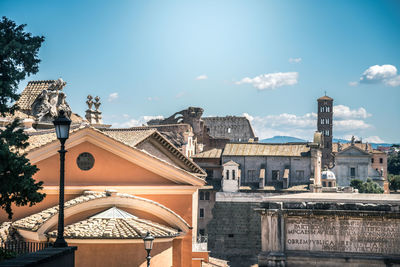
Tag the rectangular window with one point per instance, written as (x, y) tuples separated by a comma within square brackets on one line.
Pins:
[(202, 232), (275, 175), (352, 172), (380, 160), (201, 213), (207, 196), (324, 184), (251, 175), (299, 174), (227, 175), (233, 175), (372, 160)]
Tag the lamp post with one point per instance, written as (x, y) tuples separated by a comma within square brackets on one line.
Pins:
[(148, 245), (61, 123)]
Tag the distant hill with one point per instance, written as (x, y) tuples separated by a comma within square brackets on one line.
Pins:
[(290, 139), (374, 145), (282, 139)]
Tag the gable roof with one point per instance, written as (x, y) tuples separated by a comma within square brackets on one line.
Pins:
[(362, 146), (230, 163), (259, 149), (347, 149), (231, 127), (128, 137)]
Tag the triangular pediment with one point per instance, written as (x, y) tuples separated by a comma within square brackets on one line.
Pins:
[(353, 151), (115, 149)]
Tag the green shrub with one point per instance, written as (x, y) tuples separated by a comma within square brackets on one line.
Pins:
[(369, 186)]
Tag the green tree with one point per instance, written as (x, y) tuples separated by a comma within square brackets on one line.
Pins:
[(366, 187), (394, 182), (18, 59), (394, 163)]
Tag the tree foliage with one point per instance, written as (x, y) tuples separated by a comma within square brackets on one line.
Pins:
[(369, 186), (394, 163), (18, 58), (394, 182)]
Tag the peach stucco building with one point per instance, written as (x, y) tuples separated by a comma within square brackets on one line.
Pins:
[(120, 183)]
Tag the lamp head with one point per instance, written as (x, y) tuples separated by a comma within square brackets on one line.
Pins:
[(148, 241), (62, 124)]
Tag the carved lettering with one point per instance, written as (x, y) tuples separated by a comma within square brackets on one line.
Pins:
[(339, 235)]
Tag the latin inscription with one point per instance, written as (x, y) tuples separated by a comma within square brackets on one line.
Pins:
[(351, 235)]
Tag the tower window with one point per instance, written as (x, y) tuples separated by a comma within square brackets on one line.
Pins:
[(327, 109), (322, 109), (372, 160), (327, 120), (201, 213), (322, 121), (380, 160)]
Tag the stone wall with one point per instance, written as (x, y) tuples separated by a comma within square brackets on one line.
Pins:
[(330, 229), (272, 163)]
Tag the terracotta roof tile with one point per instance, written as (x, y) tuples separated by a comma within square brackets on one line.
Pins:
[(209, 154), (31, 92), (256, 149), (108, 226)]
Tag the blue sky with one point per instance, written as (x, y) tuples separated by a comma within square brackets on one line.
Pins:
[(269, 60)]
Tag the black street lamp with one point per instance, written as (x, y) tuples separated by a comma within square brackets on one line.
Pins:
[(148, 245), (61, 123)]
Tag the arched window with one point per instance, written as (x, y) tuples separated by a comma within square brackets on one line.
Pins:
[(201, 195), (328, 109), (227, 175), (207, 195), (327, 120), (322, 109), (233, 174)]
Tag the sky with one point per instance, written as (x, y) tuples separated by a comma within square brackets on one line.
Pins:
[(266, 60)]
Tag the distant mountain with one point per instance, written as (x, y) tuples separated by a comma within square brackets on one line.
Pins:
[(282, 139), (290, 139), (374, 145)]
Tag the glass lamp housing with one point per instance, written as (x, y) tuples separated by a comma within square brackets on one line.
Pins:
[(62, 124), (148, 241)]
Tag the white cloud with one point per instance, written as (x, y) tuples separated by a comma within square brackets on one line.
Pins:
[(135, 122), (271, 80), (202, 77), (374, 139), (386, 74), (112, 97), (344, 112), (295, 60), (346, 121), (353, 83)]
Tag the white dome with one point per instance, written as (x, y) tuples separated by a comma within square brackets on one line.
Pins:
[(328, 175)]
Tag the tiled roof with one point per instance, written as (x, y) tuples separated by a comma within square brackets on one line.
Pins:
[(115, 224), (214, 153), (35, 221), (31, 92), (256, 149), (44, 137), (133, 137), (231, 127), (130, 137)]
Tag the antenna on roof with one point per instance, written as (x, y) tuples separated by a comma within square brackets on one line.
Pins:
[(325, 93)]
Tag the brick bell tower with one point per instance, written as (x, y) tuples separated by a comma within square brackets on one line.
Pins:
[(325, 125)]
